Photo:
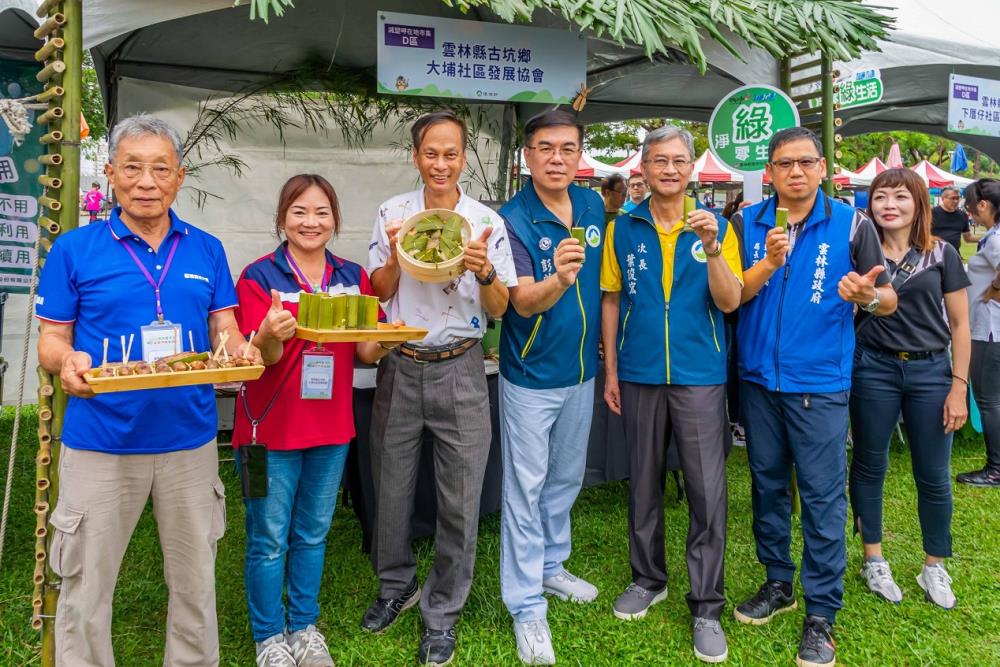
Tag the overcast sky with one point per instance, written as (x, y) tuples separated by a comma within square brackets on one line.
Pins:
[(968, 21)]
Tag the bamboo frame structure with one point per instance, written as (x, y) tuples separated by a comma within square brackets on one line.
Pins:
[(61, 59)]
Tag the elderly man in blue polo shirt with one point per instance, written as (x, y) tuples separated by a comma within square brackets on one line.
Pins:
[(548, 359), (149, 274)]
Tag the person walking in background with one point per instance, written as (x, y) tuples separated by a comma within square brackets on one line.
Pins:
[(637, 191), (306, 436), (665, 291), (982, 201), (902, 363), (949, 222), (796, 341), (93, 200), (613, 191), (548, 359)]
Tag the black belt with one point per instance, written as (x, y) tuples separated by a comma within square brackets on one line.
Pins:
[(907, 356), (437, 352)]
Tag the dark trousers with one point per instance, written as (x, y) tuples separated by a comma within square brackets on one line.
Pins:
[(450, 399), (696, 417), (808, 431), (984, 372), (882, 387)]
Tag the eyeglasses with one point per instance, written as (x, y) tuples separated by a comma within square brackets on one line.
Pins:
[(547, 151), (132, 170), (785, 164), (661, 163), (637, 185)]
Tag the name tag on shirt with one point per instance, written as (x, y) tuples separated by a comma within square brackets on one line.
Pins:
[(160, 339), (317, 375)]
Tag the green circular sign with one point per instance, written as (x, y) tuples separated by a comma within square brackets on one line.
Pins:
[(743, 123)]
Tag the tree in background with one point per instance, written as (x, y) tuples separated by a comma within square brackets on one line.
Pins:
[(615, 141)]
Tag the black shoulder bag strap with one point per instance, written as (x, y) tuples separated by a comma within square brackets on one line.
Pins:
[(906, 268)]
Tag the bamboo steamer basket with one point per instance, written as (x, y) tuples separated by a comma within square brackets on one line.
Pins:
[(426, 271)]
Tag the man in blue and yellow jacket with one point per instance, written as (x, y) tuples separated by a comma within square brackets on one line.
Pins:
[(667, 280), (548, 359), (796, 346)]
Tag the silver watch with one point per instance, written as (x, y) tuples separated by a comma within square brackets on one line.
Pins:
[(872, 305)]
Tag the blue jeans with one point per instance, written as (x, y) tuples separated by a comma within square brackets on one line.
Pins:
[(286, 537), (544, 434), (808, 431), (882, 387)]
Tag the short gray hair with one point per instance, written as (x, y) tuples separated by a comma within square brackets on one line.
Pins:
[(950, 188), (141, 125), (666, 133)]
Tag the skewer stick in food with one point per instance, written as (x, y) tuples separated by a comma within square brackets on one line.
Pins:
[(191, 340), (104, 360)]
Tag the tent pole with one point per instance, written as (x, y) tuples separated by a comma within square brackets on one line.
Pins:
[(829, 145), (69, 194)]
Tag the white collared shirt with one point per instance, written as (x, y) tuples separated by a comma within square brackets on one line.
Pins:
[(449, 311), (984, 318)]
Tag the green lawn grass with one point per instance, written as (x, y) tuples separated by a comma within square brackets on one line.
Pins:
[(869, 632)]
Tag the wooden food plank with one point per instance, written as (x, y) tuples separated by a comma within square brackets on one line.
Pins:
[(105, 385), (385, 333)]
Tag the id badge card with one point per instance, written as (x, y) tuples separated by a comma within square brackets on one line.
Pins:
[(317, 374), (160, 339)]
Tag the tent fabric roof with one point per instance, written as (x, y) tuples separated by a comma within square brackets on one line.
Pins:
[(210, 44), (589, 168), (935, 177), (17, 23), (872, 168)]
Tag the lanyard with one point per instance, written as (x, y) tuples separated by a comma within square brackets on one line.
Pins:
[(327, 274), (145, 272)]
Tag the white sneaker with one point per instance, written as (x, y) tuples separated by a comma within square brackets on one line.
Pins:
[(534, 642), (309, 648), (878, 576), (274, 652), (566, 586), (937, 585)]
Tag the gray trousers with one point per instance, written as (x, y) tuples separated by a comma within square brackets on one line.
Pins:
[(984, 373), (696, 417), (450, 399)]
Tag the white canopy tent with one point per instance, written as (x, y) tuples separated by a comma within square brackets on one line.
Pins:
[(935, 177), (930, 41)]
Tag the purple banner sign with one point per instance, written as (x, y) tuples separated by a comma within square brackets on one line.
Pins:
[(965, 91), (409, 35)]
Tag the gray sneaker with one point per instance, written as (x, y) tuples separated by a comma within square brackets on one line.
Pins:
[(534, 642), (636, 601), (309, 648), (878, 576), (566, 586), (709, 640), (937, 585), (274, 652)]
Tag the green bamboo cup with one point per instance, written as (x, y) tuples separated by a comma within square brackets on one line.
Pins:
[(781, 218), (314, 308), (304, 305), (580, 234), (689, 207), (352, 310), (326, 312), (370, 319), (339, 311)]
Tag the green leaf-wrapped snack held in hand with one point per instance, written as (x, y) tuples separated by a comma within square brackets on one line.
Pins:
[(781, 217), (433, 240)]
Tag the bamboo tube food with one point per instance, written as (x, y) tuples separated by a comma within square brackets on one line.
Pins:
[(434, 240), (580, 234), (352, 310), (781, 218), (340, 311), (305, 303), (326, 312), (689, 207), (370, 312)]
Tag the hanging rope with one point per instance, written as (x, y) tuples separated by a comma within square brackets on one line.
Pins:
[(20, 400), (15, 115)]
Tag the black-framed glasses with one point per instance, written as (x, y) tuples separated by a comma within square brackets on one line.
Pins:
[(784, 164)]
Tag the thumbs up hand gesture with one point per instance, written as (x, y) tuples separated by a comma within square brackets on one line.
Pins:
[(475, 255), (278, 323), (859, 289)]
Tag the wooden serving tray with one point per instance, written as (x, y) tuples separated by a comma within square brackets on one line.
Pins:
[(106, 385), (385, 333)]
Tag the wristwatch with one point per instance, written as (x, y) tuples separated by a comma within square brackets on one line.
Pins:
[(490, 277), (718, 250), (872, 305)]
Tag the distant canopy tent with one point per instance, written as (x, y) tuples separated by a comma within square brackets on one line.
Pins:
[(935, 177), (589, 168), (706, 169), (872, 168)]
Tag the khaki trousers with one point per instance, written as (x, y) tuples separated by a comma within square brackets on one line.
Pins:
[(101, 497)]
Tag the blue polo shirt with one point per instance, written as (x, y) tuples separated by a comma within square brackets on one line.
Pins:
[(92, 282)]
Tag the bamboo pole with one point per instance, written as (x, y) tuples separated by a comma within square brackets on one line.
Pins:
[(50, 25), (45, 383), (50, 203), (44, 408), (51, 159), (51, 92), (53, 137), (50, 182), (828, 109), (49, 224), (53, 115), (54, 68), (47, 7), (50, 47), (70, 148)]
